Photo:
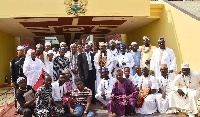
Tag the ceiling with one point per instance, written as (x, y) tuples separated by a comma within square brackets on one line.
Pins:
[(71, 27)]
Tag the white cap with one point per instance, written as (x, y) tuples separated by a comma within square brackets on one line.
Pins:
[(20, 48), (90, 43), (61, 43), (118, 42), (134, 43), (112, 41), (50, 51), (73, 44), (145, 38), (185, 65), (47, 44)]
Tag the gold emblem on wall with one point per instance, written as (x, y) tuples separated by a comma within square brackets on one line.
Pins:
[(75, 7)]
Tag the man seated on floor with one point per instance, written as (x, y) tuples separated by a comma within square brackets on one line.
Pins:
[(59, 89), (138, 74), (165, 83), (25, 96), (82, 96), (186, 91), (44, 103), (123, 96), (105, 87)]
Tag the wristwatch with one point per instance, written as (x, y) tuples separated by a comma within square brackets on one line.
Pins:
[(85, 112)]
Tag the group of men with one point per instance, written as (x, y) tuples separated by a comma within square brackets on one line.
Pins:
[(140, 80)]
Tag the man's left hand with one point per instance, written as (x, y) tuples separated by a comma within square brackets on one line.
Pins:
[(171, 71)]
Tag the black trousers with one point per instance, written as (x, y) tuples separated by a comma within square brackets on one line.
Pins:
[(90, 83)]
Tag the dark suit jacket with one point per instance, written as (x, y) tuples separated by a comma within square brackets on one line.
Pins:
[(83, 67)]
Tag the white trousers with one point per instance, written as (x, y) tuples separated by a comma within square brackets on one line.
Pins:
[(99, 97)]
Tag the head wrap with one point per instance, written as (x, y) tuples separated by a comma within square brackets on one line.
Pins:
[(160, 39), (20, 79), (50, 51), (90, 43), (32, 51), (134, 43), (20, 48), (104, 69), (112, 42), (118, 42), (145, 38), (62, 43), (122, 45), (185, 65), (26, 45), (163, 65), (47, 44)]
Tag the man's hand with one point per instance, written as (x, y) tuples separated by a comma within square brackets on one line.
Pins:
[(59, 106), (163, 95), (123, 63), (112, 97), (171, 71), (84, 115), (13, 84), (151, 72), (103, 95), (147, 62), (71, 111), (127, 98), (180, 92)]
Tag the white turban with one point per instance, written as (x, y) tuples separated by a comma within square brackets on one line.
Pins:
[(20, 48), (50, 51), (112, 41), (62, 43), (118, 42), (47, 44), (73, 44), (134, 43), (90, 43), (185, 65)]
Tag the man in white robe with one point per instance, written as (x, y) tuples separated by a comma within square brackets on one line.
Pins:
[(165, 82), (100, 61), (186, 91), (125, 59), (162, 55), (105, 87), (112, 59), (147, 81), (49, 63)]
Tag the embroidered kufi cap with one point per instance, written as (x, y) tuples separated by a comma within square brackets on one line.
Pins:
[(62, 43), (104, 69), (50, 51), (160, 39), (185, 65), (47, 44), (20, 79), (20, 48), (90, 43), (118, 42), (101, 43), (134, 43), (112, 42), (145, 38)]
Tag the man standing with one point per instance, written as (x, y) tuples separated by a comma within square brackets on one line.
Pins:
[(136, 55), (118, 42), (87, 70), (186, 91), (16, 67), (162, 55), (112, 59), (125, 59), (83, 42), (60, 63), (146, 52)]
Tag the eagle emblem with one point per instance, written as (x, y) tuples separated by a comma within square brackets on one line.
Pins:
[(75, 7)]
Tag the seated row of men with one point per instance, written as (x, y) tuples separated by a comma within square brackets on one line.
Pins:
[(144, 94)]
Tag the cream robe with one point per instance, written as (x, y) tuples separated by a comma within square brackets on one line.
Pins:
[(188, 102), (168, 57), (112, 61)]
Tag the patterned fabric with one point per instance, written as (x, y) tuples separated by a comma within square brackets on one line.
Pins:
[(81, 97), (43, 103), (59, 64), (141, 96), (73, 60)]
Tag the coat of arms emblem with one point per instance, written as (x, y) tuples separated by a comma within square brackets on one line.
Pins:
[(75, 7)]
